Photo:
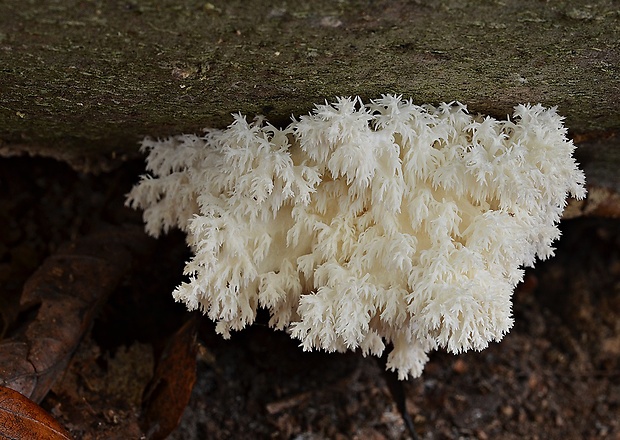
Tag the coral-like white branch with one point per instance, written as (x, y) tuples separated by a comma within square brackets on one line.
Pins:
[(360, 224)]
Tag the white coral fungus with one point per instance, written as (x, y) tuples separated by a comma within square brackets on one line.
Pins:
[(360, 225)]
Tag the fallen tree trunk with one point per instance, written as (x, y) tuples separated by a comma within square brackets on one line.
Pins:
[(85, 81)]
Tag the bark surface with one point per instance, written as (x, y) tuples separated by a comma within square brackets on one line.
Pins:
[(87, 79)]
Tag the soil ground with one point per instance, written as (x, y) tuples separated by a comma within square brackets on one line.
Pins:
[(555, 376)]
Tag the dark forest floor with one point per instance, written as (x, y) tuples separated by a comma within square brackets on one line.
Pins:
[(555, 376)]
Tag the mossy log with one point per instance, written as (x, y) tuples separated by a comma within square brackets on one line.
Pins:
[(88, 79)]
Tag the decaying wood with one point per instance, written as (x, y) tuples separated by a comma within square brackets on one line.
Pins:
[(83, 80), (599, 156)]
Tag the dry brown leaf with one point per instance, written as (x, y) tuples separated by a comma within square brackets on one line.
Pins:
[(21, 418), (169, 392), (64, 295)]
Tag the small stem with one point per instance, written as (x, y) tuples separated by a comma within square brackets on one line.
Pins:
[(397, 391)]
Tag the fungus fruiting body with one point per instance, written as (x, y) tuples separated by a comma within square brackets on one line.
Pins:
[(365, 224)]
